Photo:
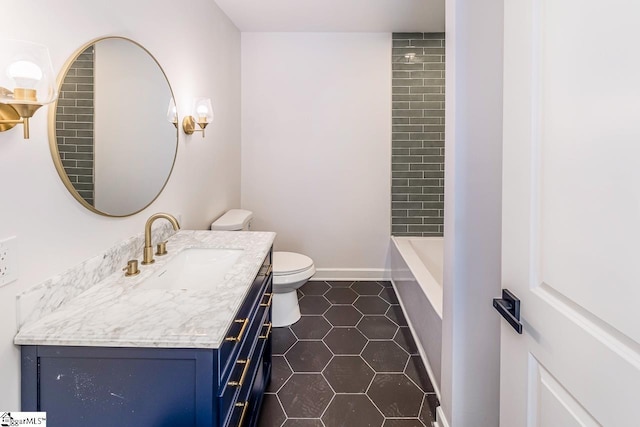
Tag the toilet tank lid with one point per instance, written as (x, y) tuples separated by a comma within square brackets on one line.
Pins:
[(233, 219)]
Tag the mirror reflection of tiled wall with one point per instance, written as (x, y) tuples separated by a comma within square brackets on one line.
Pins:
[(74, 124), (418, 134)]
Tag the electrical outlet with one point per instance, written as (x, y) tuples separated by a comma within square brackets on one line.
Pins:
[(8, 261)]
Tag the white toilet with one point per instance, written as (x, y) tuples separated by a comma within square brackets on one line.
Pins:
[(290, 270)]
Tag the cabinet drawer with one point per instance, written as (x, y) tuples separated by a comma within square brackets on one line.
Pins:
[(240, 414), (243, 408), (240, 329)]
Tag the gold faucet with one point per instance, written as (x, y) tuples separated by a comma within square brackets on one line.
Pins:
[(148, 250)]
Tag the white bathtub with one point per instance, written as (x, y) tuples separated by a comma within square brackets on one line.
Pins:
[(416, 273)]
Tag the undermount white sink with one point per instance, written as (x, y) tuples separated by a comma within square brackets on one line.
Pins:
[(195, 269)]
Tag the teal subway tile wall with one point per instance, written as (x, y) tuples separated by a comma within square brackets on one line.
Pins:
[(417, 158), (75, 124)]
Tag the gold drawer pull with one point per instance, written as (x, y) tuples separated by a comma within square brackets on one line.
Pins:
[(239, 383), (266, 335), (244, 322), (244, 405), (268, 303), (265, 271)]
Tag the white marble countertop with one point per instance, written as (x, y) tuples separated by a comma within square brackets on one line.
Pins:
[(115, 313)]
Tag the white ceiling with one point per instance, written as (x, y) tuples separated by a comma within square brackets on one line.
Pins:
[(335, 15)]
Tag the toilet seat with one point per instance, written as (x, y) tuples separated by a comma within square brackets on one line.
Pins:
[(290, 263), (287, 279)]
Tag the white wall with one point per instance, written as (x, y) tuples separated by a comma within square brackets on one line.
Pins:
[(199, 50), (316, 145), (473, 169)]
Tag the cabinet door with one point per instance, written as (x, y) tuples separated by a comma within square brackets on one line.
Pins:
[(108, 387)]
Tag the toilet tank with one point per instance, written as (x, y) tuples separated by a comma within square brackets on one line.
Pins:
[(233, 220)]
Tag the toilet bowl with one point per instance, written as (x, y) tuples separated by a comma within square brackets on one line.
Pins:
[(290, 270)]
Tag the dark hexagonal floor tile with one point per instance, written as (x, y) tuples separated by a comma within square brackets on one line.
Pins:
[(308, 356), (377, 327), (308, 394), (305, 396), (404, 339), (339, 283), (395, 395), (366, 288), (348, 374), (352, 410), (311, 327), (271, 414), (389, 295), (282, 340), (385, 356), (341, 296), (303, 422), (343, 315), (385, 284), (345, 341), (428, 411), (417, 372), (371, 305), (402, 422), (313, 304), (395, 313), (280, 373), (314, 288)]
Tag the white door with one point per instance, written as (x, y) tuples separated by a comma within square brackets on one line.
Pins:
[(571, 216)]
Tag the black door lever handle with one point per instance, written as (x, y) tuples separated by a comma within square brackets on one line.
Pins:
[(509, 307)]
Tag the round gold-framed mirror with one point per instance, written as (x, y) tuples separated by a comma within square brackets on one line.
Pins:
[(109, 133)]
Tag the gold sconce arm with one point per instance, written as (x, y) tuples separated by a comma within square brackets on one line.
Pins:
[(12, 115), (189, 125), (17, 114)]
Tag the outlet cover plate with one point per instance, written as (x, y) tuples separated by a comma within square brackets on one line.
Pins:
[(8, 261)]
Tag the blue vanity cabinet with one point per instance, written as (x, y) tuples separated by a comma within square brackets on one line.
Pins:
[(158, 387)]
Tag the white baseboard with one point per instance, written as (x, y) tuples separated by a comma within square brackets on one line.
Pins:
[(441, 421), (352, 274)]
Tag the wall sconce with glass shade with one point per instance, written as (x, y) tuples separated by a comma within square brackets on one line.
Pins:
[(27, 82), (172, 113), (203, 112)]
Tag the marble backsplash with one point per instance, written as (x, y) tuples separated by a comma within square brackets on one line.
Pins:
[(54, 292)]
